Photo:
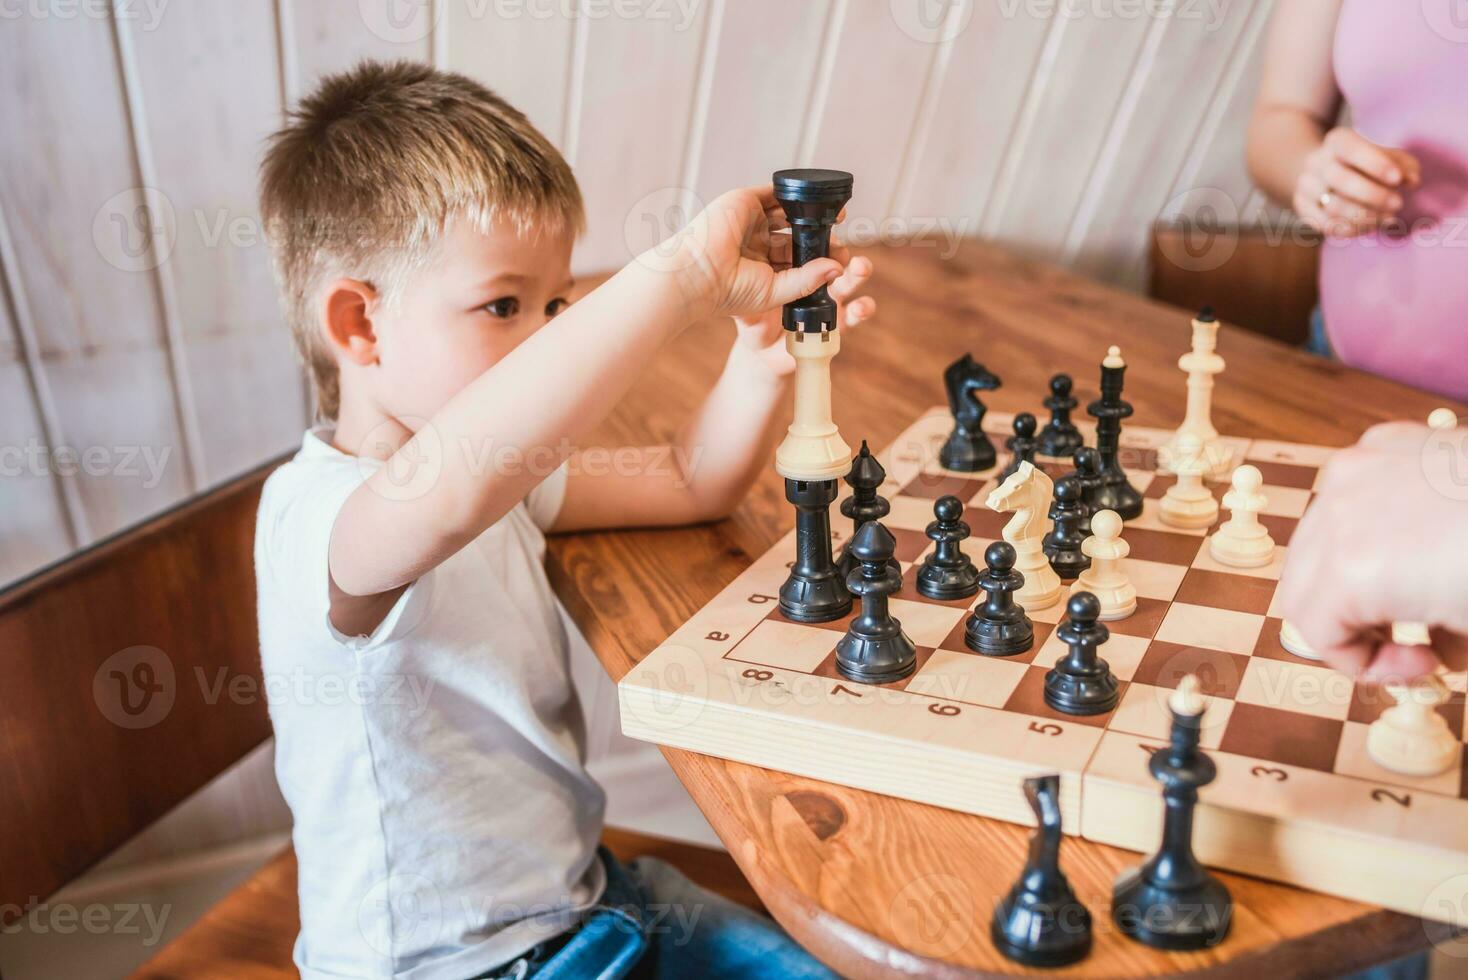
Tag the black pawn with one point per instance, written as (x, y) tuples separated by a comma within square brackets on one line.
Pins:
[(998, 626), (1040, 922), (1021, 445), (1171, 901), (1116, 491), (948, 573), (1070, 515), (968, 449), (1088, 472), (864, 504), (874, 649), (814, 592), (1060, 437), (1082, 683)]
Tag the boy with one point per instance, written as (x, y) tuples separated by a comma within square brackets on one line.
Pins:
[(445, 825)]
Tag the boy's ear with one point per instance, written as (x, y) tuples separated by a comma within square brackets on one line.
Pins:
[(347, 311)]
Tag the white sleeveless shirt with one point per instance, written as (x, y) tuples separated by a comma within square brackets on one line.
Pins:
[(444, 819)]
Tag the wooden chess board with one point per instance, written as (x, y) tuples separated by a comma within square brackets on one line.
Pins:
[(1297, 799)]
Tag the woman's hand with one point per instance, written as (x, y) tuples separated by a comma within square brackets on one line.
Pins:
[(1350, 186)]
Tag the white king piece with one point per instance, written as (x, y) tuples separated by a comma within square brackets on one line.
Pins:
[(1202, 363), (813, 448)]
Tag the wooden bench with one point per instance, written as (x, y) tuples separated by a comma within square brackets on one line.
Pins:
[(106, 725)]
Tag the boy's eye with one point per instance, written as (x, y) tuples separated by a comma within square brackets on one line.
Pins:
[(502, 308), (555, 306)]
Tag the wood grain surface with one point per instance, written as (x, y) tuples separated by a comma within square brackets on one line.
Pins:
[(877, 886)]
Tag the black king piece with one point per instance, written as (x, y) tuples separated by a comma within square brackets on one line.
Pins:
[(1171, 901), (1115, 492), (813, 456)]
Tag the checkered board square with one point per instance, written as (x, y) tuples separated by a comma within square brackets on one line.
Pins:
[(1297, 797)]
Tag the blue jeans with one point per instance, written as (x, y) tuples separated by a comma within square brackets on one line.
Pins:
[(653, 923)]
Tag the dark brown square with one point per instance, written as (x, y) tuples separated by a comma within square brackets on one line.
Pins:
[(910, 543), (1168, 547), (1267, 646), (954, 642), (1161, 483), (1281, 529), (1285, 737), (1144, 622), (931, 486), (984, 523), (1029, 698), (1224, 590), (839, 625), (1286, 474), (1165, 664), (827, 668), (1368, 701)]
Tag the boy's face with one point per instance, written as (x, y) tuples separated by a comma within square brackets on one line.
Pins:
[(476, 300)]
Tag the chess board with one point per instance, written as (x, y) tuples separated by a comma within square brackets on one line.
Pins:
[(1297, 799)]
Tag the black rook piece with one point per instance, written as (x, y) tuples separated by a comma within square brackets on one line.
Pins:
[(948, 573), (1088, 472), (1171, 901), (1041, 922), (864, 504), (998, 626), (1071, 515), (1060, 437), (968, 449), (1021, 445), (874, 649), (1116, 492), (814, 592), (1082, 683), (812, 199)]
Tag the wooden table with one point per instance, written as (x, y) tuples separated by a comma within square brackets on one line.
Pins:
[(876, 886)]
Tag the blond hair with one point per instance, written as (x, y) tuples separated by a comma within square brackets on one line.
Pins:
[(370, 168)]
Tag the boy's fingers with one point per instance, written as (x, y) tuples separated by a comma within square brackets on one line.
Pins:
[(1393, 660), (860, 310), (791, 284)]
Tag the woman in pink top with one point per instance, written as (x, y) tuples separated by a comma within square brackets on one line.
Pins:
[(1390, 192)]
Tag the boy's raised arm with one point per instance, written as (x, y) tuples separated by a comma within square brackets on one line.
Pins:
[(430, 498)]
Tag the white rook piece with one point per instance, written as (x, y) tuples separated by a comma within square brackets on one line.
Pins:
[(1202, 363), (1105, 578), (1242, 542), (813, 448), (1411, 738), (1187, 503)]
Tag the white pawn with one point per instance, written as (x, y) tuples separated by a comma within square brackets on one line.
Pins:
[(1410, 737), (1104, 578), (1188, 503), (1242, 542), (1293, 642)]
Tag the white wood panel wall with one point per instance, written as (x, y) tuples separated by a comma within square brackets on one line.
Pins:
[(142, 326)]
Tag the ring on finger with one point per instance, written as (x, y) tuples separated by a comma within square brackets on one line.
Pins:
[(1325, 198)]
